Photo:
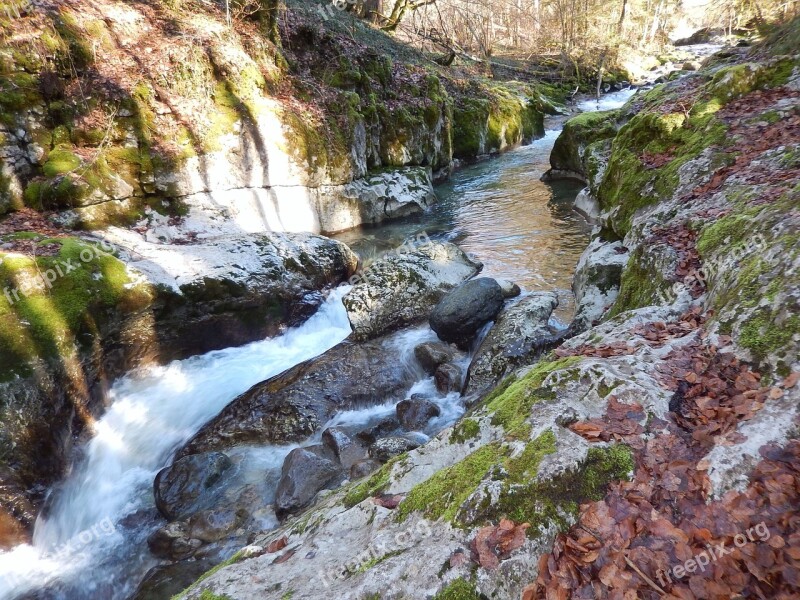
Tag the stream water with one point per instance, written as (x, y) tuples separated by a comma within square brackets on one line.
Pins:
[(90, 541)]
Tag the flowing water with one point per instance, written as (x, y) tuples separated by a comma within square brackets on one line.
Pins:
[(90, 541)]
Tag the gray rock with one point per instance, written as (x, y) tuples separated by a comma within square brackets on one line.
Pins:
[(415, 412), (213, 525), (448, 378), (385, 427), (173, 542), (509, 288), (305, 472), (295, 404), (401, 290), (389, 447), (597, 280), (346, 450), (363, 468), (512, 342), (432, 354), (189, 483), (462, 312)]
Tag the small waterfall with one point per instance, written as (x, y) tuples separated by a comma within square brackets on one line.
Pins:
[(152, 414)]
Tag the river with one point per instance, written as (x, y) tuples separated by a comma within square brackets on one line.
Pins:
[(89, 543)]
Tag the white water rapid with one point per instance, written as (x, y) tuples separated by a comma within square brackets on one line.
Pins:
[(152, 414)]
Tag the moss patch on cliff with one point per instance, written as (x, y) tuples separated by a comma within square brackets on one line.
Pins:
[(552, 502), (442, 494), (510, 404), (569, 150), (460, 589), (52, 305), (630, 183)]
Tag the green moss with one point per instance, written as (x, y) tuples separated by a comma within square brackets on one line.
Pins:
[(510, 404), (764, 334), (460, 589), (556, 501), (578, 133), (470, 121), (375, 561), (60, 161), (442, 494), (526, 466), (628, 185), (642, 284), (466, 429), (373, 485), (209, 595), (87, 290)]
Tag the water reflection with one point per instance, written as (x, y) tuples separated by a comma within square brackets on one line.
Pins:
[(520, 227)]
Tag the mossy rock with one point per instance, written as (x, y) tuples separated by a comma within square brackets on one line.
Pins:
[(53, 305)]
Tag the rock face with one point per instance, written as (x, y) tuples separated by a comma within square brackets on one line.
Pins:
[(293, 405), (514, 341), (182, 488), (462, 312), (401, 290), (597, 280), (305, 472)]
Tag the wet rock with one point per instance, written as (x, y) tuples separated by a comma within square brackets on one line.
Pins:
[(512, 342), (448, 378), (295, 404), (401, 290), (432, 354), (415, 412), (189, 483), (509, 288), (173, 541), (166, 581), (462, 312), (213, 525), (386, 448), (363, 468), (692, 65), (382, 429), (305, 472), (346, 450)]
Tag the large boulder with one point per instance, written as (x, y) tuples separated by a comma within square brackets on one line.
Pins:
[(512, 342), (189, 483), (402, 288), (462, 312), (295, 404), (305, 472)]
